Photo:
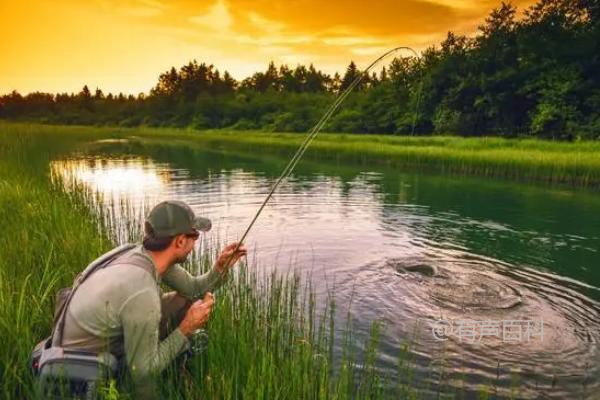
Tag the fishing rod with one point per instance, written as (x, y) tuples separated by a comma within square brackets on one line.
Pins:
[(312, 133)]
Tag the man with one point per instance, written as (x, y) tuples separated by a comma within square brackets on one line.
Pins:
[(122, 307)]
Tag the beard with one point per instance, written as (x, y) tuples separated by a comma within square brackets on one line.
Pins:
[(182, 259)]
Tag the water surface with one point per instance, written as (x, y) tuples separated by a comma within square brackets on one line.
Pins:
[(513, 268)]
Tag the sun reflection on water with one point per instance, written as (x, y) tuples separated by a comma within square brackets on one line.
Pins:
[(131, 176)]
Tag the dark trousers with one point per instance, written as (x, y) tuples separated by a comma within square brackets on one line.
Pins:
[(173, 309)]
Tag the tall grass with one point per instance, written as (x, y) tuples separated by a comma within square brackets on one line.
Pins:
[(267, 337), (576, 164), (46, 236)]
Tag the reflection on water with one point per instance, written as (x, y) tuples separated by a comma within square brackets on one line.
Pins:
[(133, 179), (408, 250)]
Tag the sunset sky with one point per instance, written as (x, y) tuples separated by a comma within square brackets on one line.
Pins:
[(123, 45)]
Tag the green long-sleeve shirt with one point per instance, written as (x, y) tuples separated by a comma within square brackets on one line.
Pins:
[(119, 307)]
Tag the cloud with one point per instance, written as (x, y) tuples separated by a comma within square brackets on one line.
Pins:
[(266, 40), (350, 40), (155, 4), (134, 8), (217, 18), (324, 30), (265, 24), (368, 51), (125, 44), (139, 11), (275, 51), (384, 17)]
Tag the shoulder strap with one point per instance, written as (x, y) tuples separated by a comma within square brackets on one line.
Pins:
[(100, 262), (135, 260)]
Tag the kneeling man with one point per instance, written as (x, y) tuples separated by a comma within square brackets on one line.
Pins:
[(120, 308)]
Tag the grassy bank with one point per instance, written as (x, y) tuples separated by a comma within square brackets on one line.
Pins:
[(576, 164), (267, 340), (46, 236)]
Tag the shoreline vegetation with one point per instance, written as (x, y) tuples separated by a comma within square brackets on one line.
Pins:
[(524, 73), (575, 164), (269, 337)]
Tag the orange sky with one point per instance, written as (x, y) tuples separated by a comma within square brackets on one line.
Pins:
[(123, 45)]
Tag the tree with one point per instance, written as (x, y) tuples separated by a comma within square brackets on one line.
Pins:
[(262, 82), (288, 80), (316, 81), (85, 98), (336, 83), (85, 93), (168, 84), (98, 95), (300, 73), (501, 21), (536, 75), (229, 84), (352, 73), (383, 75)]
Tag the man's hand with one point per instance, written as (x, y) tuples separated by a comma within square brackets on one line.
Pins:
[(228, 257), (197, 315)]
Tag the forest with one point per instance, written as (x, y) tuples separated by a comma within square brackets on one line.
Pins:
[(532, 74)]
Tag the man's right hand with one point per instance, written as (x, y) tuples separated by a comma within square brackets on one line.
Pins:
[(197, 315)]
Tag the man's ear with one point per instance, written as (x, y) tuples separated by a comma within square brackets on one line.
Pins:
[(179, 241)]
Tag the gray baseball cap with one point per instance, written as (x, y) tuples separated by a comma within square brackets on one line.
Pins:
[(173, 217)]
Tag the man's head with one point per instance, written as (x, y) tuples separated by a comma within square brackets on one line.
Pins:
[(172, 227)]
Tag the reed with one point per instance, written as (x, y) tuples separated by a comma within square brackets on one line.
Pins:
[(573, 164), (270, 336)]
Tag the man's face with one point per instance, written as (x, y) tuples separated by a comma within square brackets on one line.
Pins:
[(184, 244)]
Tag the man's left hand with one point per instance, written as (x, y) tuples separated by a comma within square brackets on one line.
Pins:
[(228, 257)]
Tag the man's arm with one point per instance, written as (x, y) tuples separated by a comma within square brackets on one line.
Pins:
[(144, 353), (193, 286)]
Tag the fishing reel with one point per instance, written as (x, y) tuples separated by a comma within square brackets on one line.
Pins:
[(198, 342)]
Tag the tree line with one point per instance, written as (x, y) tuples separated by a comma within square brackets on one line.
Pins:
[(537, 75)]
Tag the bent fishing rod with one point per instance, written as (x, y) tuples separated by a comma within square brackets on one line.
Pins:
[(312, 133)]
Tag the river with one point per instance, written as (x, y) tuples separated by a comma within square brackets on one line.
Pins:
[(497, 279)]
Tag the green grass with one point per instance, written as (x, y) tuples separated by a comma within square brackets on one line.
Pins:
[(575, 164), (267, 338)]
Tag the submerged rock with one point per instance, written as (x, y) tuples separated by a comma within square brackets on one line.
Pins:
[(458, 288), (403, 267)]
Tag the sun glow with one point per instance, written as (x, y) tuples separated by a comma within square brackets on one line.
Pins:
[(123, 46)]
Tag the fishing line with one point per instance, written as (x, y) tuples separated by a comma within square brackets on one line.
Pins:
[(316, 129)]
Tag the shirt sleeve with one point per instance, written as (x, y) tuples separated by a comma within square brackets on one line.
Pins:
[(144, 353), (193, 286)]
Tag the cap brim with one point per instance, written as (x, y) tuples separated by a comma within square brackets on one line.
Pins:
[(202, 224)]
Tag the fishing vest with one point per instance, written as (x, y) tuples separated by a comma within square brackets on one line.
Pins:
[(54, 365)]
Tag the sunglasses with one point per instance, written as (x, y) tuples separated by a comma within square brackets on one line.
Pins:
[(195, 235)]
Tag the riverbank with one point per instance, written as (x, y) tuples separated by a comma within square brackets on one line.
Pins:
[(574, 164), (267, 340)]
